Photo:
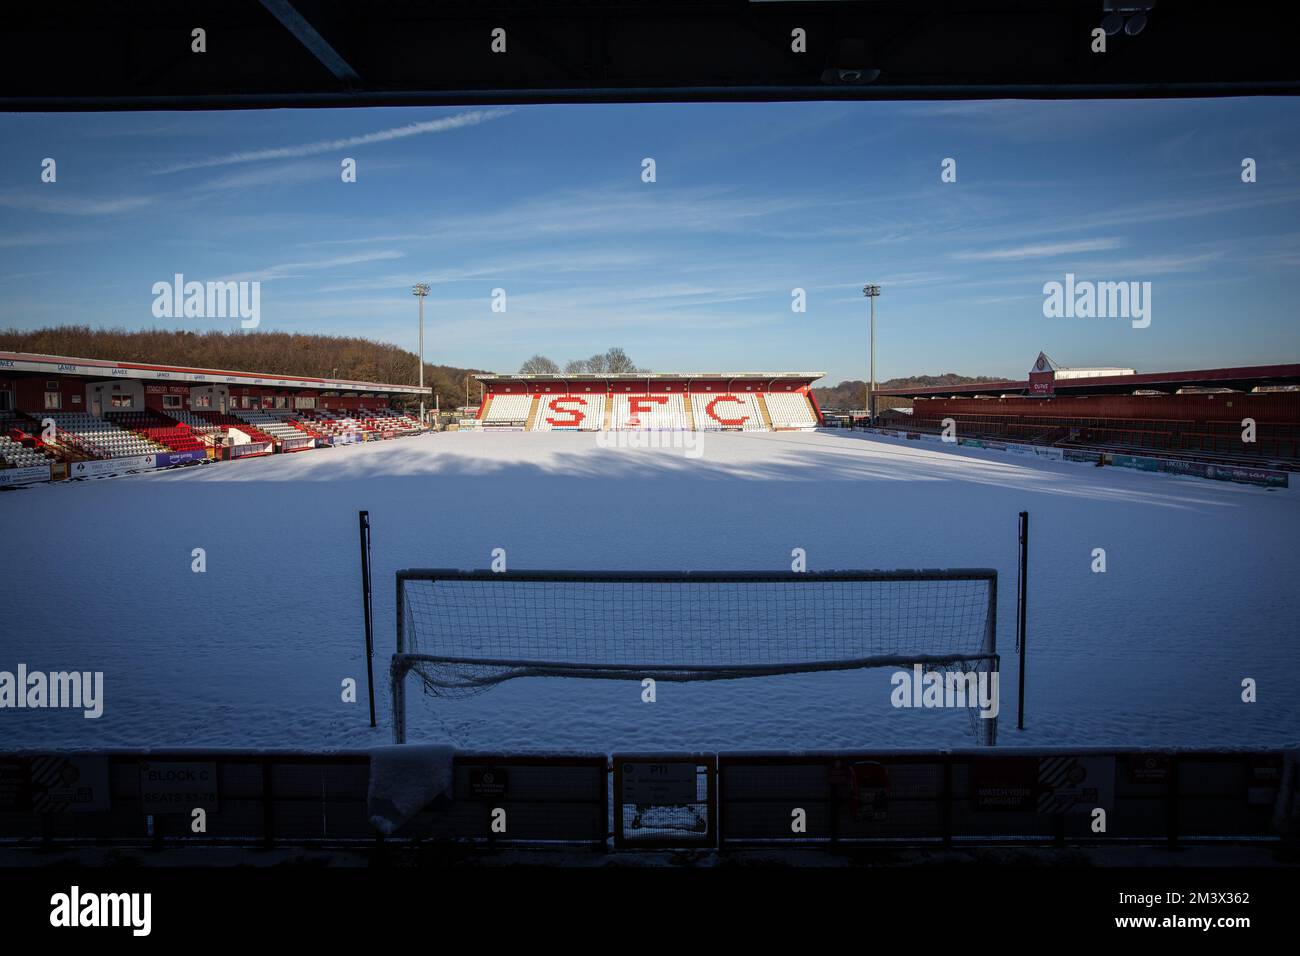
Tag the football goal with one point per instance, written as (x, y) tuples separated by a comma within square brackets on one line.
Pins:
[(465, 632)]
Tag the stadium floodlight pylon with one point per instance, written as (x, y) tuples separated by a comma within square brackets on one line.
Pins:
[(465, 632)]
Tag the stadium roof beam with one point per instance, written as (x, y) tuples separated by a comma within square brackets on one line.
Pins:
[(317, 45)]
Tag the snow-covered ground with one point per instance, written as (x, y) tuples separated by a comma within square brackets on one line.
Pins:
[(1200, 590)]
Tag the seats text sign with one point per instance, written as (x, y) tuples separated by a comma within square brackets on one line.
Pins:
[(659, 784), (178, 787)]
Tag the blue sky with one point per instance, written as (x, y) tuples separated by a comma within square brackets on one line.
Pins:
[(693, 272)]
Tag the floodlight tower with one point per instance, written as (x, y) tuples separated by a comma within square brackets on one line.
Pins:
[(420, 290), (872, 292)]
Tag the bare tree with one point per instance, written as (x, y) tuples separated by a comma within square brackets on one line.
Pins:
[(575, 367), (539, 365), (616, 360)]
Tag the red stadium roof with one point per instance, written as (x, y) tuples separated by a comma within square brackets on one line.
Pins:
[(99, 368), (643, 376)]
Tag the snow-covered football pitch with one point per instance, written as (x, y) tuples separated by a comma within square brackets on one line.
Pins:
[(1199, 591)]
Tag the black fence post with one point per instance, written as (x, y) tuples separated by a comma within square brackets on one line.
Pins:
[(1022, 599), (364, 521)]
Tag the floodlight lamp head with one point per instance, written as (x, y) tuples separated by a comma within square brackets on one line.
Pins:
[(1127, 15), (871, 291), (420, 288)]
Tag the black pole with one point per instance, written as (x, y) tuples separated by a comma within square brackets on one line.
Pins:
[(364, 520), (1022, 599)]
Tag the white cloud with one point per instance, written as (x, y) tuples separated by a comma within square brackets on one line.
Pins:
[(460, 120), (1040, 250), (71, 205), (290, 270)]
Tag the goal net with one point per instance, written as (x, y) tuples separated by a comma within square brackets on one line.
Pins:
[(465, 632)]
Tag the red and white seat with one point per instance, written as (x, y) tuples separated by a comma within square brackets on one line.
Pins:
[(652, 412), (727, 411), (790, 410), (508, 410), (570, 413)]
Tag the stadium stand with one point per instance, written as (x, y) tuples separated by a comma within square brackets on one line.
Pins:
[(77, 415), (1178, 436), (1239, 416), (650, 401)]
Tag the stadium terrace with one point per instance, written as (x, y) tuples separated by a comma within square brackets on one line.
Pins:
[(655, 401), (64, 417), (1226, 418)]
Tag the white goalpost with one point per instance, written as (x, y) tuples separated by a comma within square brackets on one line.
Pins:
[(465, 632)]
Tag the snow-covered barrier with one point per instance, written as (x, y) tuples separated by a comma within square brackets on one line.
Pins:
[(1091, 797), (1026, 796), (100, 468), (25, 475), (1243, 474), (405, 780), (242, 445)]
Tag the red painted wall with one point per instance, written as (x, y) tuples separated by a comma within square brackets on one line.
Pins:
[(29, 393)]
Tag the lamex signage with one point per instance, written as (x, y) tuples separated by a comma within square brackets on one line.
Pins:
[(67, 368)]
